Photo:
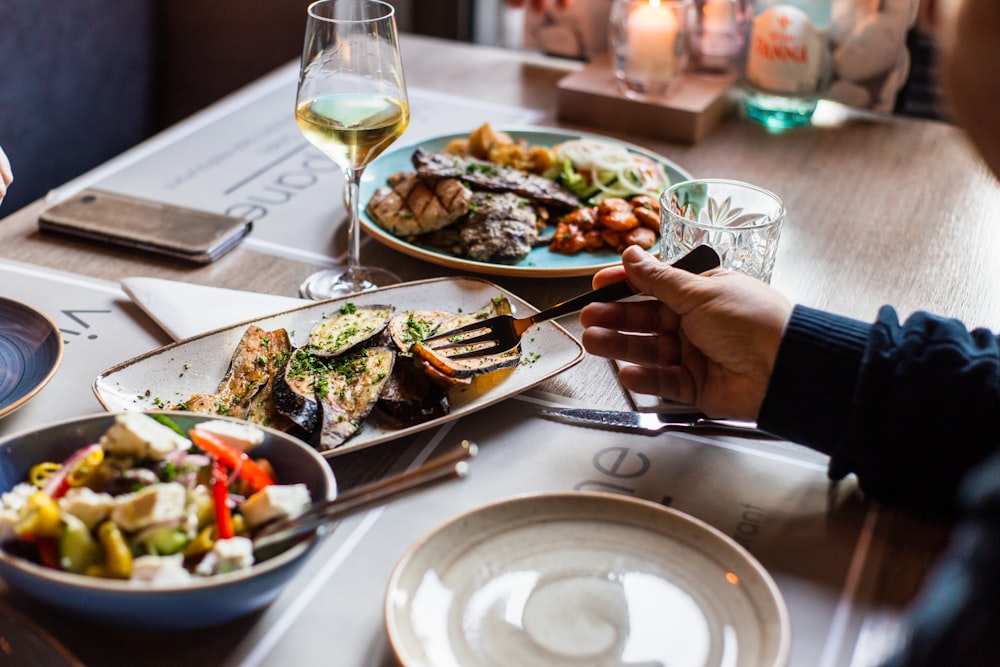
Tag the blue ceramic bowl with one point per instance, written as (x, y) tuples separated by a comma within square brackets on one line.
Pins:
[(201, 602)]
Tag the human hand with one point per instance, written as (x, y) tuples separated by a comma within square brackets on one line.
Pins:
[(708, 340), (540, 5), (6, 175)]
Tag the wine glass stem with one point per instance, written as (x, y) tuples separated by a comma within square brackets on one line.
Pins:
[(351, 192)]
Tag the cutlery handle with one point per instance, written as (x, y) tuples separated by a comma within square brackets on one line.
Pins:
[(700, 259), (452, 464), (739, 429), (612, 292)]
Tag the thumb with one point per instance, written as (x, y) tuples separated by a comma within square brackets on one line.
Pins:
[(671, 286)]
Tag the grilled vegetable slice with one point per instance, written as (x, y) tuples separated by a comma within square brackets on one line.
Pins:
[(352, 326), (459, 369), (412, 326), (256, 359), (295, 389), (353, 384), (410, 396), (446, 371)]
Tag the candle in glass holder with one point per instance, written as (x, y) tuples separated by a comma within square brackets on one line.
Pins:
[(720, 35), (649, 41)]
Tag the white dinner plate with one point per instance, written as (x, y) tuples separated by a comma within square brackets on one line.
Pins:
[(540, 263), (174, 373), (31, 348), (578, 578)]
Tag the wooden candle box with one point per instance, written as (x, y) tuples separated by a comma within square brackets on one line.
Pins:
[(692, 108)]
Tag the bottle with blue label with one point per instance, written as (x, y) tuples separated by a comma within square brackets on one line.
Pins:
[(788, 61)]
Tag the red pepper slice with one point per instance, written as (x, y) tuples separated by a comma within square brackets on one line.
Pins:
[(48, 551), (238, 461), (220, 494)]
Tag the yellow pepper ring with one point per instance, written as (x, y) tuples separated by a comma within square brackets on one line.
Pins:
[(39, 517), (41, 472), (118, 556), (82, 471)]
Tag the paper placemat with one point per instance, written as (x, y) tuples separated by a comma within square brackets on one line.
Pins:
[(771, 497), (247, 157), (100, 328)]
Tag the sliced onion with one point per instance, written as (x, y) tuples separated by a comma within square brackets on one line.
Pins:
[(634, 174)]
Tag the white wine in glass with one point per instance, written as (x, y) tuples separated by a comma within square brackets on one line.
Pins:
[(351, 104)]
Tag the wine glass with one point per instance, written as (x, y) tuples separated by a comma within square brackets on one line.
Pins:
[(351, 104)]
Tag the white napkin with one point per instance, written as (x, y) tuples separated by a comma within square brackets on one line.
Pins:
[(184, 310)]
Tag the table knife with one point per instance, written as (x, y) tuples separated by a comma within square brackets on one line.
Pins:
[(651, 423)]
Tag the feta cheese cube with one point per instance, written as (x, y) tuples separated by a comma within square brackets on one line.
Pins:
[(234, 553), (18, 496), (277, 501), (160, 569), (87, 505), (11, 503), (139, 435), (243, 437), (8, 520), (154, 504)]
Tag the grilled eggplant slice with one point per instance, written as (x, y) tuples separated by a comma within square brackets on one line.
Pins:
[(449, 369), (412, 326), (496, 306), (294, 389), (264, 411), (446, 370), (352, 387), (411, 396), (256, 359), (352, 326)]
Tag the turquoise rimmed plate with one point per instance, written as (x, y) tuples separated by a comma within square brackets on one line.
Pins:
[(540, 263)]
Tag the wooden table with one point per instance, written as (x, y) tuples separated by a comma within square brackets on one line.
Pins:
[(880, 210)]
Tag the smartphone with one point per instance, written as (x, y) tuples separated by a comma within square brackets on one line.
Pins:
[(168, 230)]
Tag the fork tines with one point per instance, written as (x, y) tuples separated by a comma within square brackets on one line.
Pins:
[(456, 338)]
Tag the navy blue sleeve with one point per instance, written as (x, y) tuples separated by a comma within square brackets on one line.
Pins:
[(914, 411), (908, 408), (955, 619)]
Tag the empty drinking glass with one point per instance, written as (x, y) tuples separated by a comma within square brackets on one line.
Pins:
[(742, 222)]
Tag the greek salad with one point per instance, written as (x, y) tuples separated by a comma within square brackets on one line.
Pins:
[(150, 502)]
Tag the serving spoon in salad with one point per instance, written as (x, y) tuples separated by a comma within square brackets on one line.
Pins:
[(273, 538)]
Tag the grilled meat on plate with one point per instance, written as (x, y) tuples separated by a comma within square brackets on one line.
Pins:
[(409, 206), (483, 175), (501, 228)]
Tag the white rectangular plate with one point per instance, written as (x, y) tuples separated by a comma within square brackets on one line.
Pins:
[(174, 373)]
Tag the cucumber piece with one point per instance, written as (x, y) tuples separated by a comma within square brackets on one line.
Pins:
[(166, 541), (78, 549)]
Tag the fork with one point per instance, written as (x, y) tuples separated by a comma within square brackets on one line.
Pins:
[(503, 332)]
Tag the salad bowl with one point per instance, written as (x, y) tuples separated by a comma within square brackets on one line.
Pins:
[(198, 602)]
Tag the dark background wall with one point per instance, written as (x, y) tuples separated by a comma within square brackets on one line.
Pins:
[(75, 87), (83, 80)]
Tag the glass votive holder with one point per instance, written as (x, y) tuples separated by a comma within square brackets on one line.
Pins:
[(719, 35), (649, 42), (742, 222)]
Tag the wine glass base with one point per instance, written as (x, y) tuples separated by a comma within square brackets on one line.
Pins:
[(330, 284)]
